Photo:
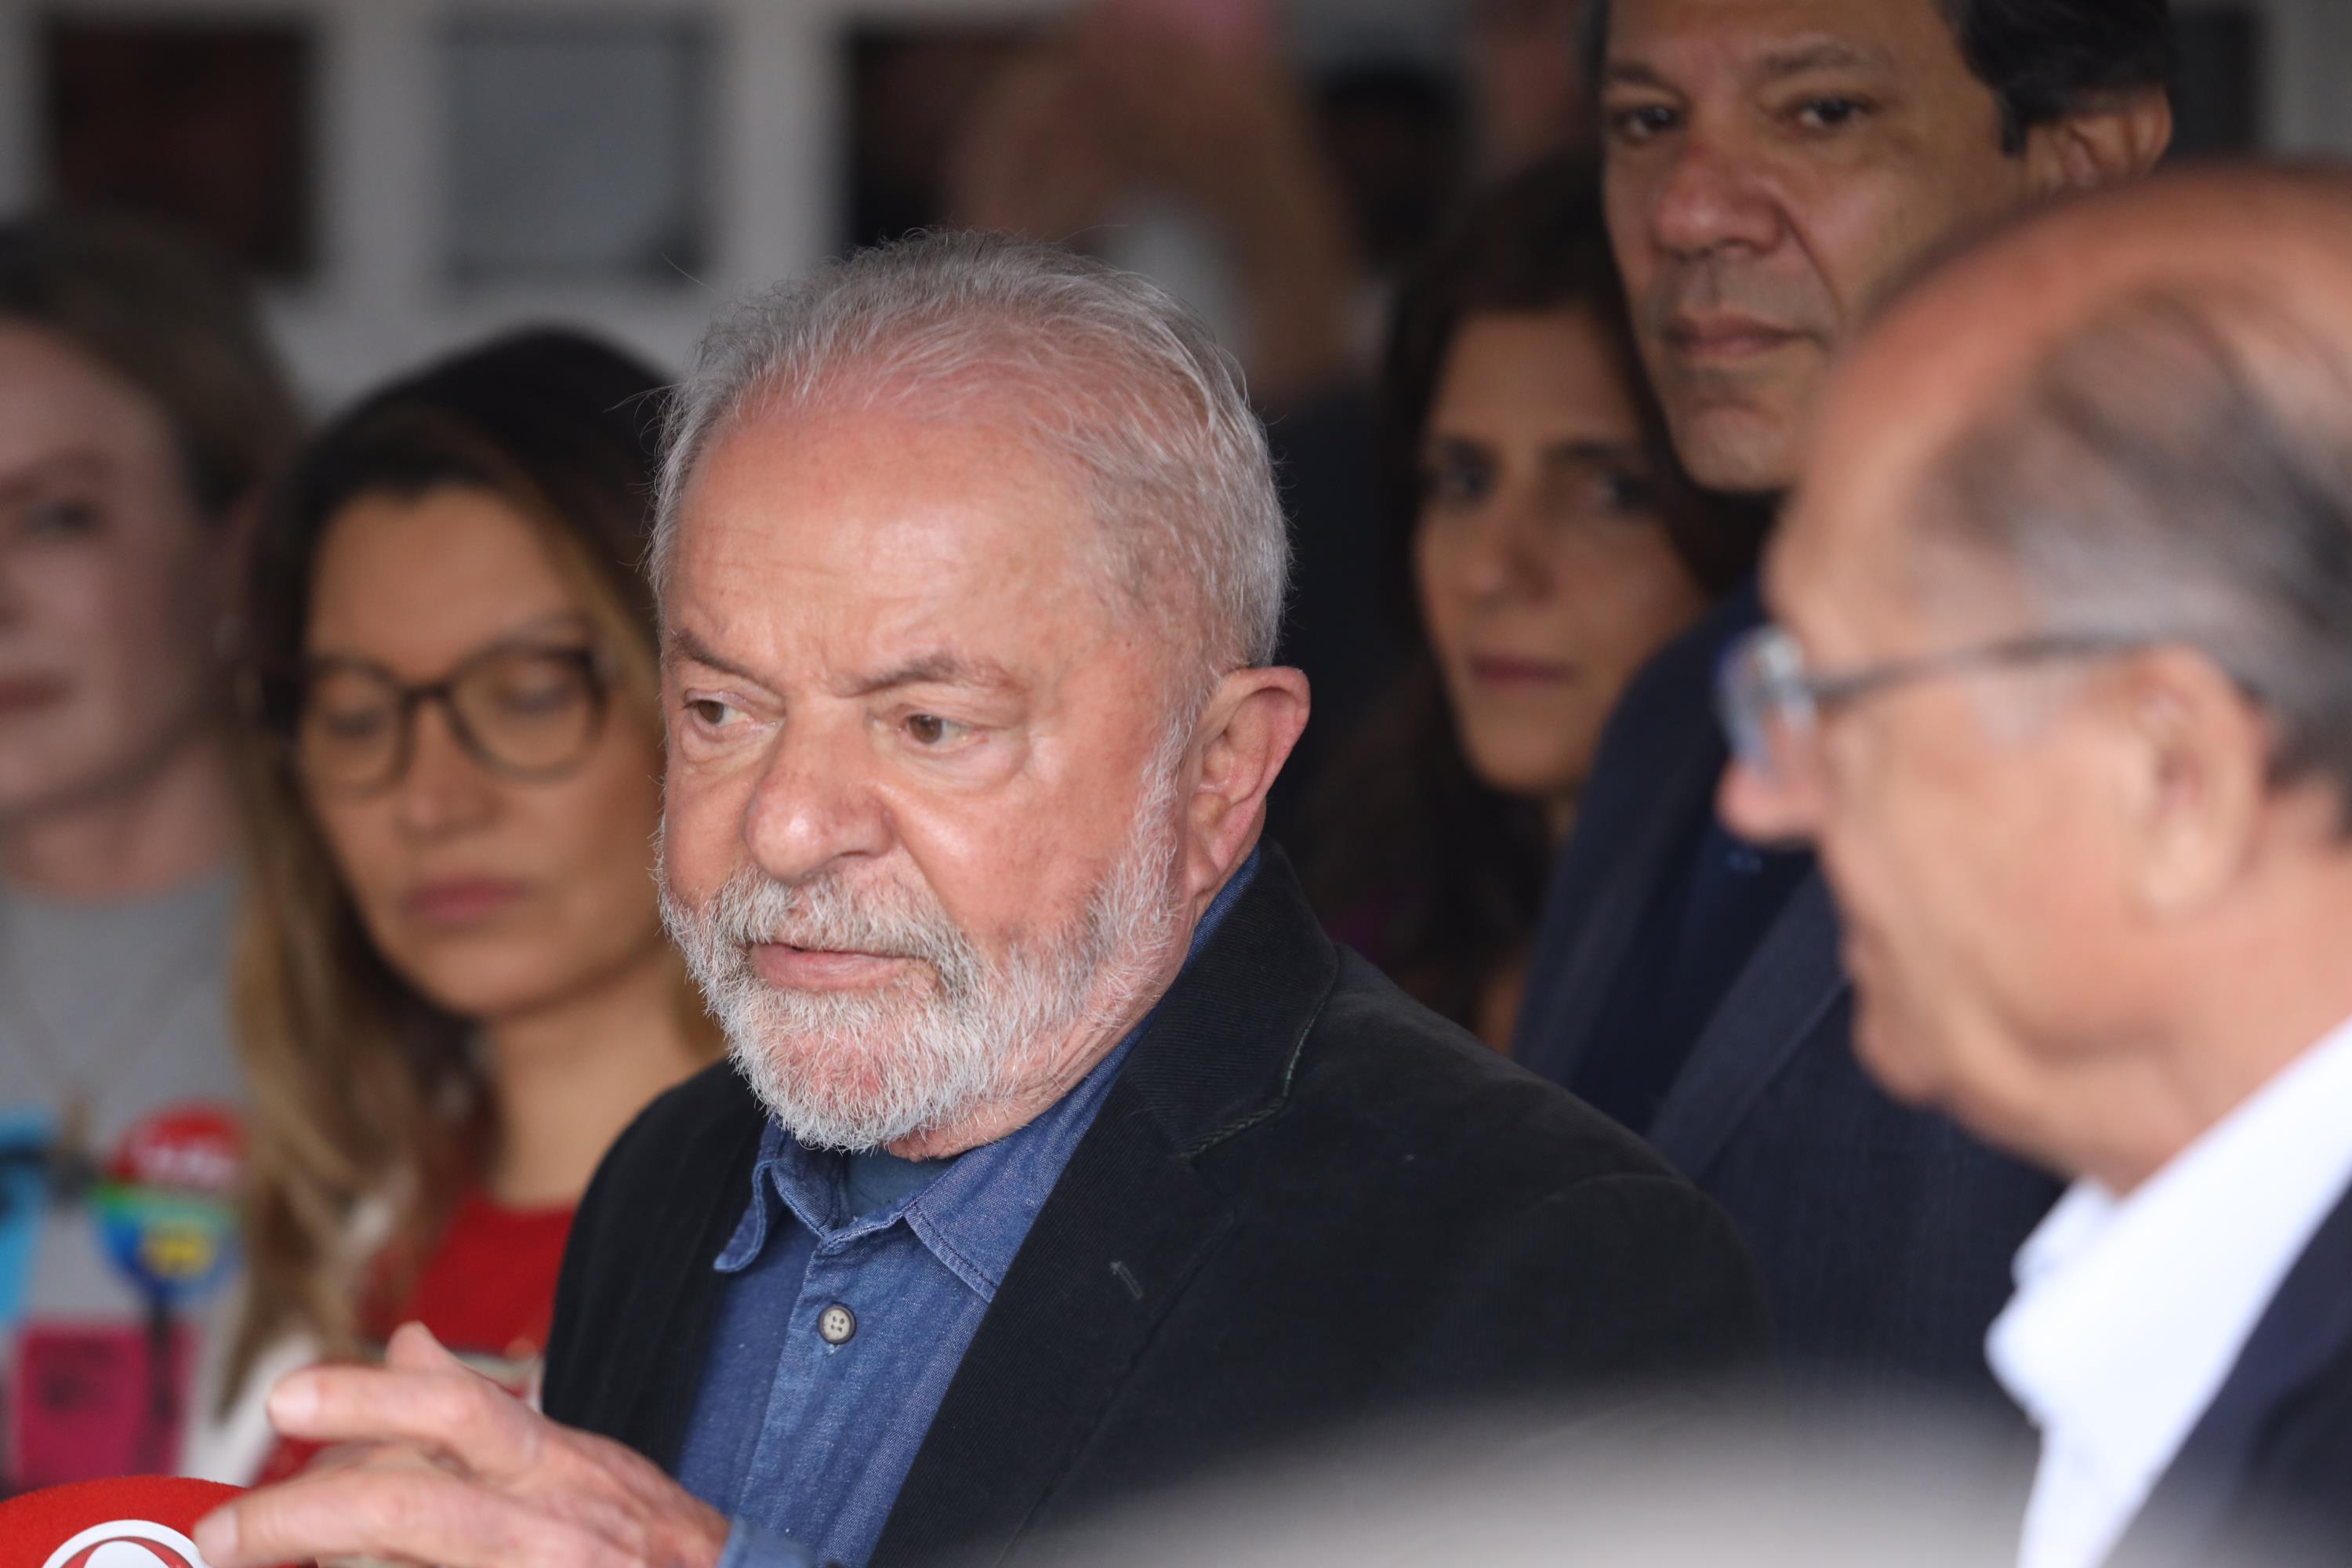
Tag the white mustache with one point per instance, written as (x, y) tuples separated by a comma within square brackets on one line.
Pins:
[(753, 909)]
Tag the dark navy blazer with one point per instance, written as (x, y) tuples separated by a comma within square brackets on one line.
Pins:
[(1884, 1233), (2272, 1455), (1307, 1204)]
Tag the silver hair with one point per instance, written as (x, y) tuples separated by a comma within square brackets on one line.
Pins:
[(1101, 369), (2180, 470)]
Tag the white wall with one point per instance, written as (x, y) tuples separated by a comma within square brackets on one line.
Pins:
[(380, 300)]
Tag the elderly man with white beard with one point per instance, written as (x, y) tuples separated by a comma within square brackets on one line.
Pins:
[(1063, 1156)]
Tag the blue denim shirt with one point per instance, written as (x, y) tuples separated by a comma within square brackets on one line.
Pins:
[(838, 1332)]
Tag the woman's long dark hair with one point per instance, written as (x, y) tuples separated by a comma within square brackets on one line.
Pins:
[(364, 1091), (1437, 876)]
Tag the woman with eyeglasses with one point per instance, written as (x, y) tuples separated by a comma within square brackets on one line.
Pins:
[(453, 986)]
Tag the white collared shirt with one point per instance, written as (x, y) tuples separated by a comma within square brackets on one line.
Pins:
[(2130, 1312)]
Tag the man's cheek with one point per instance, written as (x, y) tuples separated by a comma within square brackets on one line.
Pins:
[(699, 845)]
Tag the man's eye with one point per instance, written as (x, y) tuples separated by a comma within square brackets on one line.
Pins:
[(1642, 123), (709, 712), (1830, 114), (929, 730), (60, 519)]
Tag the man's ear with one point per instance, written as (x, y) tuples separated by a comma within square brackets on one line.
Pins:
[(2119, 138), (1244, 736), (2199, 770)]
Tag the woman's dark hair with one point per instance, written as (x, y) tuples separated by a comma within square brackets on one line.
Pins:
[(569, 422), (363, 1090), (173, 320), (1409, 854)]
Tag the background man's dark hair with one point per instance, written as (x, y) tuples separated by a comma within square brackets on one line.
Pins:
[(2042, 58)]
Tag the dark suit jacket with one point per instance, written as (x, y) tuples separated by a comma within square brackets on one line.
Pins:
[(1307, 1203), (2272, 1455), (1885, 1235)]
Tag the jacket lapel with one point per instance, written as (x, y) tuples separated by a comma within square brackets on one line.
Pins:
[(671, 1320), (1786, 989), (1127, 1228), (1120, 1238), (2306, 1328), (1614, 876)]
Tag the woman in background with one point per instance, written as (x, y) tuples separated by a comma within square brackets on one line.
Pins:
[(1551, 548), (142, 418), (453, 986)]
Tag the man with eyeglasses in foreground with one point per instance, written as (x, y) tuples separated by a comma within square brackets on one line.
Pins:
[(2058, 691)]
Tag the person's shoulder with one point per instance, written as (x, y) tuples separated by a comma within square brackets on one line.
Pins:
[(1478, 1219), (1393, 1079), (706, 1114), (1682, 674)]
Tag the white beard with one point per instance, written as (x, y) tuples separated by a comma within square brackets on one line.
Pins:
[(964, 1033)]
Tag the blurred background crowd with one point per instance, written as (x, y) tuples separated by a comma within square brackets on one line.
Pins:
[(246, 490), (403, 175)]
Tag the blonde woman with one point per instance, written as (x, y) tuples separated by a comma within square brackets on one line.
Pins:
[(452, 987), (142, 421)]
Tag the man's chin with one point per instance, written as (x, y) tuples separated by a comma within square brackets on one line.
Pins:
[(825, 1107), (1892, 1059), (1737, 447)]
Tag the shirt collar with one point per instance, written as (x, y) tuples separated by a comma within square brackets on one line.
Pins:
[(2131, 1311), (975, 1213)]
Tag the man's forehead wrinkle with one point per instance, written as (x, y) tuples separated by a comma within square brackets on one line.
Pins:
[(1825, 53), (1634, 73), (943, 666)]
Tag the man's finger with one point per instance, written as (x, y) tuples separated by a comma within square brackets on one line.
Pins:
[(414, 1348), (450, 1413), (409, 1515)]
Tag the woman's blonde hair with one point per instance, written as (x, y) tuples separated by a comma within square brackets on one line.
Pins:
[(370, 1112)]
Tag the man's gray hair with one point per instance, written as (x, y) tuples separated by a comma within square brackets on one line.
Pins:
[(1100, 369), (2180, 470)]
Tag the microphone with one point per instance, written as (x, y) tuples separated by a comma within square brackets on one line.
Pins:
[(133, 1522)]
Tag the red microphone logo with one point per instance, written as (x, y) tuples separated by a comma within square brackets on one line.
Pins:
[(127, 1543)]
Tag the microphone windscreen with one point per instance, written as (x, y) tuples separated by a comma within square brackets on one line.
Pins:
[(134, 1522)]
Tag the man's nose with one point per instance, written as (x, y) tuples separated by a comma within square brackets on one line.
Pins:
[(1712, 197), (444, 789), (816, 804), (1767, 809)]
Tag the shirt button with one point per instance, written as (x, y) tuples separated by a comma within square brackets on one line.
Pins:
[(836, 1324)]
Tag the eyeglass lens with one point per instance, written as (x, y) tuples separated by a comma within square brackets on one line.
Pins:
[(1767, 708), (523, 711)]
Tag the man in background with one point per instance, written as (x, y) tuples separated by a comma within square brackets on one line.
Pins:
[(2061, 690), (1771, 167)]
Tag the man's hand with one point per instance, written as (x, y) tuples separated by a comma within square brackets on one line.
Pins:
[(455, 1471)]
